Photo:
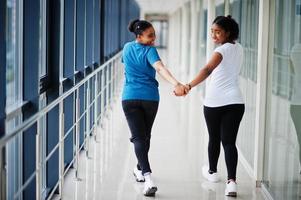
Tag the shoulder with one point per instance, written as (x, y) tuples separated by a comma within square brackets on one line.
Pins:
[(152, 54), (128, 44), (239, 45), (226, 46), (222, 49), (239, 48), (229, 47), (151, 49)]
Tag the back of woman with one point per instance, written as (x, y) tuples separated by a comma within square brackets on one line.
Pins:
[(140, 97), (140, 76), (223, 87)]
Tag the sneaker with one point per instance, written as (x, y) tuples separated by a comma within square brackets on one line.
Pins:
[(149, 187), (138, 175), (210, 177), (231, 190)]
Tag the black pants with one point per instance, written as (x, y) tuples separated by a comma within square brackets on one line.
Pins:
[(140, 115), (223, 123)]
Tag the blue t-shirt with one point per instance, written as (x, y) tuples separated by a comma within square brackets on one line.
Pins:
[(140, 76)]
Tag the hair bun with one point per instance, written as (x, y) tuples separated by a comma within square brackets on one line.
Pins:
[(229, 16), (132, 26)]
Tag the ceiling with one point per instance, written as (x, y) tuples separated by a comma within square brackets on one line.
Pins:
[(159, 6)]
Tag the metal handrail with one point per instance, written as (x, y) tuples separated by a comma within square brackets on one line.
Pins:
[(29, 122), (106, 95)]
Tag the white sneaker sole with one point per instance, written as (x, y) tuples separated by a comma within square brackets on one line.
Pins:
[(231, 194), (150, 192)]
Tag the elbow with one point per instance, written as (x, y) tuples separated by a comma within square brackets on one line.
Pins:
[(159, 69), (208, 70)]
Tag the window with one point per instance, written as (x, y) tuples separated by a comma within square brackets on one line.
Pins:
[(160, 27)]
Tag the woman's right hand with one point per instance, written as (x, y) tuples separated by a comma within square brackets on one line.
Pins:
[(180, 90)]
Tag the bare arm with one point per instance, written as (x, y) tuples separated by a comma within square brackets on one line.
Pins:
[(207, 69), (165, 73), (179, 89)]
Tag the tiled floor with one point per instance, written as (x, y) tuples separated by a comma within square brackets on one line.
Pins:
[(178, 150)]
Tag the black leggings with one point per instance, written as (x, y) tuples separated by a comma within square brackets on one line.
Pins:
[(223, 123), (140, 115)]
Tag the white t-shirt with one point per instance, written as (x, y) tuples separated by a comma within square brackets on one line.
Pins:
[(223, 86)]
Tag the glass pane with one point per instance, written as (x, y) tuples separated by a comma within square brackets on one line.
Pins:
[(282, 151), (164, 26), (43, 130), (160, 27), (220, 9), (13, 91), (14, 161), (12, 71), (42, 41), (157, 27), (248, 24)]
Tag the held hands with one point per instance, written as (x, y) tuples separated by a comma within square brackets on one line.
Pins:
[(181, 90)]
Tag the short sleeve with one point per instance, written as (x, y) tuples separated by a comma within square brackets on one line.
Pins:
[(221, 50), (152, 55)]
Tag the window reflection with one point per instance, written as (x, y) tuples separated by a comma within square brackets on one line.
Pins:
[(295, 107)]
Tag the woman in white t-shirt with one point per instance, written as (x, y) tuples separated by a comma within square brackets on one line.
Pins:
[(223, 104)]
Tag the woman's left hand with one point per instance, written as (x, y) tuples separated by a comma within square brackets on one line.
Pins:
[(180, 90)]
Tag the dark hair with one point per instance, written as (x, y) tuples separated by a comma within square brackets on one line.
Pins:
[(138, 26), (229, 25)]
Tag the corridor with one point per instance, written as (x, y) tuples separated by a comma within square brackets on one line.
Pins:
[(63, 133), (178, 151)]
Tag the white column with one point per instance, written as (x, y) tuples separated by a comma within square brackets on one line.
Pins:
[(184, 41), (178, 41), (173, 42), (201, 43), (170, 43), (193, 38), (210, 18), (142, 14), (261, 93), (209, 42)]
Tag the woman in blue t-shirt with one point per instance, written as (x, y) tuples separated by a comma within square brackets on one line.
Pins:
[(140, 96)]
